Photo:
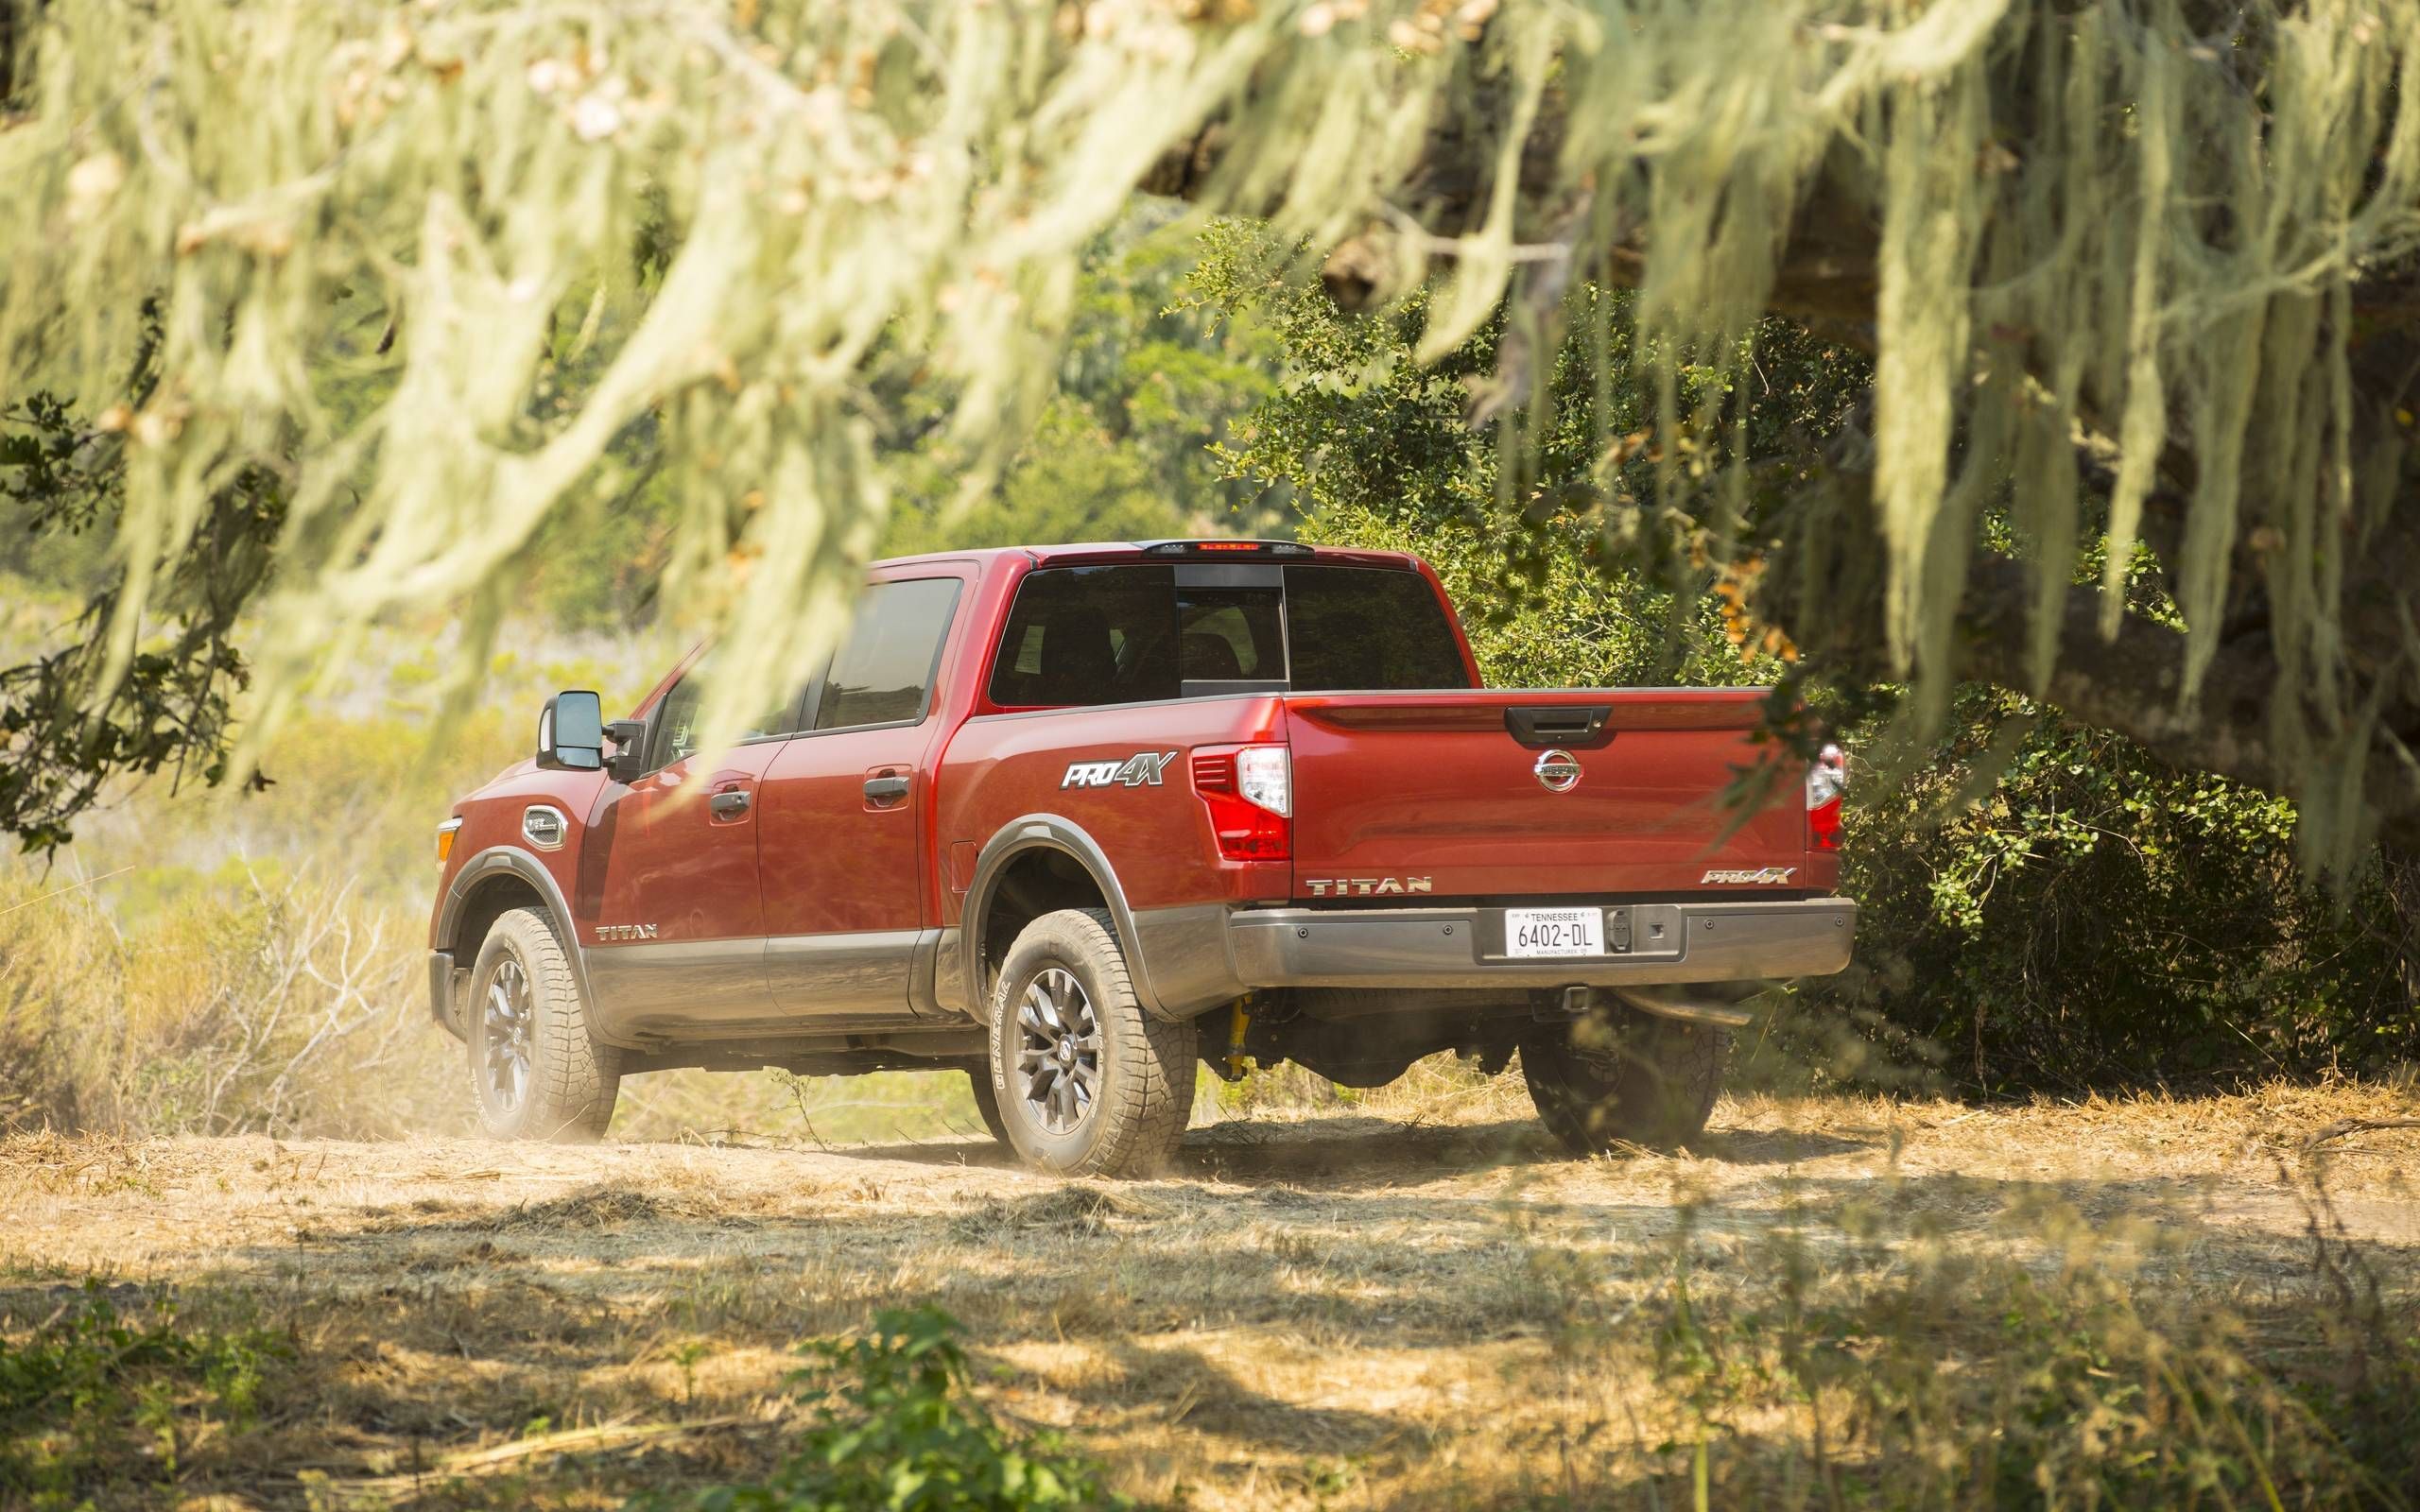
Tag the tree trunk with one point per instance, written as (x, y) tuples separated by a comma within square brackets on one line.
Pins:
[(18, 19), (2403, 887)]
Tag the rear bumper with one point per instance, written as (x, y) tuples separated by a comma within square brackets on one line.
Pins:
[(1712, 941)]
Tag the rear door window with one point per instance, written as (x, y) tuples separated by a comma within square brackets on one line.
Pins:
[(883, 673)]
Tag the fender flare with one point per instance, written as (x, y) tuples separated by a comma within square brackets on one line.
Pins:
[(525, 868), (1046, 832)]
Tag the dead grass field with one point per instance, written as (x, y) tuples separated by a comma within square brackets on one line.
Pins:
[(1417, 1303)]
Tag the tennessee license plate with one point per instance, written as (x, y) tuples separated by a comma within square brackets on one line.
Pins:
[(1531, 932)]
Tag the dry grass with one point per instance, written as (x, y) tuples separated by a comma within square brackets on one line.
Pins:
[(1413, 1302)]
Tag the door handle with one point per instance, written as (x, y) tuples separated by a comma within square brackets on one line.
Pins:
[(885, 789), (729, 805)]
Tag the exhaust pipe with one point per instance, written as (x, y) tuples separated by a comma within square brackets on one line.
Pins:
[(1663, 1002), (1670, 1002)]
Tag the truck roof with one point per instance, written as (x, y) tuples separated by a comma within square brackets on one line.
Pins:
[(1213, 548)]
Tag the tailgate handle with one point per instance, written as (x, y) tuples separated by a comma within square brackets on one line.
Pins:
[(1571, 727)]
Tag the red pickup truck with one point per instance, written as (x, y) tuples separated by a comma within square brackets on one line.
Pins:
[(1077, 819)]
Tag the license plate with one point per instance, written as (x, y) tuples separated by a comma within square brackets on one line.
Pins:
[(1531, 932)]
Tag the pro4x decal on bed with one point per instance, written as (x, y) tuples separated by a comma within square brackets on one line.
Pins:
[(1142, 769)]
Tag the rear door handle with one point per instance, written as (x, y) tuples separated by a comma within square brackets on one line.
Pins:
[(729, 805), (885, 789)]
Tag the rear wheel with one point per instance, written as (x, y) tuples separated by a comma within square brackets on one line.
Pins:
[(535, 1069), (1624, 1077), (1086, 1081)]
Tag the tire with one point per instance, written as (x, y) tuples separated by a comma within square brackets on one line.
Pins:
[(1112, 1096), (524, 1006), (1624, 1077), (987, 1107)]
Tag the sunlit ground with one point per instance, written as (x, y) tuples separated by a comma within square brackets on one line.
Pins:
[(1412, 1302)]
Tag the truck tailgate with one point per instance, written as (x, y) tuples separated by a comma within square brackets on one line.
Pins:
[(1444, 792)]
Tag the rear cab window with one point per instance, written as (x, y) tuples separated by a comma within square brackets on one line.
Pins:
[(1367, 629), (1096, 635)]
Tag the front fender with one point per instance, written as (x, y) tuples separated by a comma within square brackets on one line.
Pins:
[(483, 868)]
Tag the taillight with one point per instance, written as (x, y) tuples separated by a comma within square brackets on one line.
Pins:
[(1250, 793), (1825, 781)]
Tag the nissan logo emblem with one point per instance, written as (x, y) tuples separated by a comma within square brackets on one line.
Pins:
[(1558, 771)]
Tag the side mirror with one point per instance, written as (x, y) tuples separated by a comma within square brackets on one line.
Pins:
[(571, 732), (628, 762)]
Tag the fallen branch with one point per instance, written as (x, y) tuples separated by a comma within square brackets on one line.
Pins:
[(2357, 1126), (604, 1436)]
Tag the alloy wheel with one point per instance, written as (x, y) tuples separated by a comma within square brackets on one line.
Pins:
[(506, 1036), (1059, 1049)]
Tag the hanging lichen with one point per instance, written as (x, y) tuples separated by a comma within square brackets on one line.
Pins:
[(437, 263)]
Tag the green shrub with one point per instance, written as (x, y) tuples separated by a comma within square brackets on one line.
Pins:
[(2091, 915), (93, 1395), (894, 1429)]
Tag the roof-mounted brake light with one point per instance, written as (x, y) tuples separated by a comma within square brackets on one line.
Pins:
[(1242, 548)]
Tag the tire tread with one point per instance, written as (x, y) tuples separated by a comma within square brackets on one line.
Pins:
[(1148, 1103)]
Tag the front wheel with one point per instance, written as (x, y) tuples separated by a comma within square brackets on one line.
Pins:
[(1087, 1082), (535, 1069), (1624, 1077)]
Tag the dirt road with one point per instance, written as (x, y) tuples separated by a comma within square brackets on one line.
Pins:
[(1430, 1307)]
